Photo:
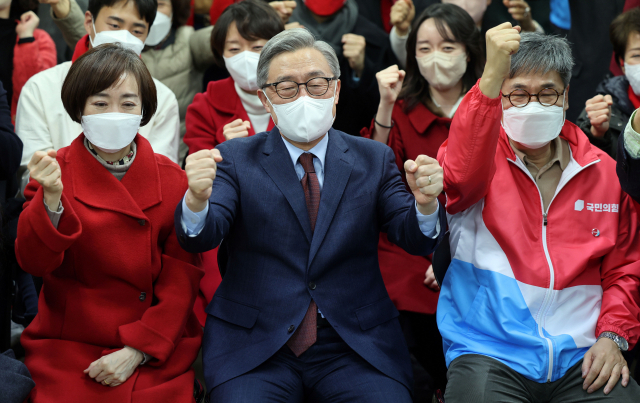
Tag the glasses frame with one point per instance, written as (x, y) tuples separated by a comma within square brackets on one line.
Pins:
[(275, 88), (534, 95)]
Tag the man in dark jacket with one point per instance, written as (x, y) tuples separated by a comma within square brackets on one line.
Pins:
[(363, 49)]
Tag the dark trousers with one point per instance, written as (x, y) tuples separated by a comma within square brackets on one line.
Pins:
[(329, 371), (478, 379)]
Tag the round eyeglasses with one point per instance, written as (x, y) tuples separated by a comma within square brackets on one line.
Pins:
[(521, 98), (316, 87)]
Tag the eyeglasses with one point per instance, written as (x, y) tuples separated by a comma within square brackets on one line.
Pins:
[(521, 98), (316, 87)]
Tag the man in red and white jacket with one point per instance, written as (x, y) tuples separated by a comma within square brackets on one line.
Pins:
[(543, 290)]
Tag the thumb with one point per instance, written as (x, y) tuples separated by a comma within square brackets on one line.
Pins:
[(518, 28), (215, 154), (401, 75), (410, 167), (608, 99), (247, 124), (52, 153)]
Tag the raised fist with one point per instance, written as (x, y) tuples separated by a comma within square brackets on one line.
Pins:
[(502, 42), (284, 9), (402, 14), (598, 110), (353, 50), (237, 128), (390, 83), (44, 169), (201, 168), (28, 23), (425, 179)]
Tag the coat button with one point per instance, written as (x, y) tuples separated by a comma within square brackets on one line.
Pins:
[(142, 222), (291, 329), (312, 285), (143, 296)]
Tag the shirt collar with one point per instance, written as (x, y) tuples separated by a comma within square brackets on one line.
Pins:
[(319, 150), (560, 155)]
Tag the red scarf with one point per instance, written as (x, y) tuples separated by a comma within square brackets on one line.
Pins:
[(81, 48), (635, 100)]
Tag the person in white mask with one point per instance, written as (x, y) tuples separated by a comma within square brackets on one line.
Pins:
[(107, 201), (416, 107), (606, 115), (41, 122), (544, 243), (300, 209)]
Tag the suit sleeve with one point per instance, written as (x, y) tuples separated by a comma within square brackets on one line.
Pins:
[(40, 247), (223, 206), (201, 128), (10, 144), (31, 124), (175, 292), (397, 212), (164, 135), (620, 274), (31, 58), (467, 156)]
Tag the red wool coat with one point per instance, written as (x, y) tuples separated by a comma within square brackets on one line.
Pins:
[(114, 275), (206, 117), (28, 60), (417, 132)]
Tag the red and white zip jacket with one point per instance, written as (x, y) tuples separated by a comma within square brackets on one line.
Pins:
[(528, 288)]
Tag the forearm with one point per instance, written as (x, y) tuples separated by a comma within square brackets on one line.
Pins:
[(382, 118), (71, 23)]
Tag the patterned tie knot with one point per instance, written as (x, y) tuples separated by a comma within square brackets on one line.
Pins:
[(306, 160)]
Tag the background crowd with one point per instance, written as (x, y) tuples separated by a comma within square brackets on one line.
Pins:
[(405, 68)]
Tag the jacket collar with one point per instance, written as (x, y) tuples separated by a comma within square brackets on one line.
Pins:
[(421, 117), (94, 186), (81, 48), (581, 148)]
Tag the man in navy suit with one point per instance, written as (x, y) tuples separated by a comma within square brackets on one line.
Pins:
[(302, 312)]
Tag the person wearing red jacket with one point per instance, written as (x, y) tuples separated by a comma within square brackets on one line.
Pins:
[(25, 50), (413, 118), (543, 291), (231, 108), (115, 321)]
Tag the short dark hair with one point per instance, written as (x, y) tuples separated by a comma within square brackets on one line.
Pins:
[(100, 68), (254, 20), (620, 29), (415, 89), (181, 12), (146, 8)]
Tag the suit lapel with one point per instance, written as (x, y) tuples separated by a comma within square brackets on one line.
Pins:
[(277, 163), (337, 169)]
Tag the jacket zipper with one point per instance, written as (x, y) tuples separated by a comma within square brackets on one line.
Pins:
[(548, 297)]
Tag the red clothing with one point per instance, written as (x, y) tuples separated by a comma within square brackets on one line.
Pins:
[(206, 118), (114, 275), (28, 60), (414, 133)]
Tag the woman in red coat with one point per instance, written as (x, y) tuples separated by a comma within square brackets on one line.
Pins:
[(445, 57), (231, 108), (115, 321)]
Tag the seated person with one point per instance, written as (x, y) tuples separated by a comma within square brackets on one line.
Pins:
[(42, 123), (29, 50), (605, 115), (541, 295), (175, 54), (116, 321), (363, 49), (413, 118)]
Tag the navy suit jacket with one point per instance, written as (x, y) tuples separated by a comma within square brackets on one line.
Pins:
[(275, 265)]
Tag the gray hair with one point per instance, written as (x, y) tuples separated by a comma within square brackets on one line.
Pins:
[(541, 54), (292, 40)]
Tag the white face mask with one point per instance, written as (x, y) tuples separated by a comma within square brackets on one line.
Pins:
[(306, 119), (111, 132), (159, 30), (122, 36), (632, 72), (243, 67), (533, 126), (442, 70)]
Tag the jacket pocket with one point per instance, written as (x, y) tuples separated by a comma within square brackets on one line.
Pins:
[(375, 314), (233, 312)]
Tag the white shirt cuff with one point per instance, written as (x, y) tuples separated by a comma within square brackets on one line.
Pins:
[(192, 223), (429, 224)]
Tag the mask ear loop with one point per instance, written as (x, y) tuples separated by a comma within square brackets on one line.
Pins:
[(93, 24)]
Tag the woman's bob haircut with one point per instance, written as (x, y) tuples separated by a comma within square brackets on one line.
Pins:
[(103, 67)]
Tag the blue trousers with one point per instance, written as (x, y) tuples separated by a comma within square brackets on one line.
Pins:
[(329, 371)]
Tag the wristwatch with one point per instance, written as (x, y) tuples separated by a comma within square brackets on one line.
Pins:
[(619, 340)]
